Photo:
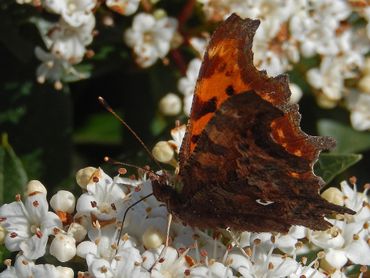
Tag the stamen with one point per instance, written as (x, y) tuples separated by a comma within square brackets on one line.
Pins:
[(122, 171), (13, 235), (190, 261), (353, 180), (103, 269), (38, 233), (8, 262), (321, 255)]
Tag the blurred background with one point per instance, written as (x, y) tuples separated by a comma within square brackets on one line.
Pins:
[(57, 57)]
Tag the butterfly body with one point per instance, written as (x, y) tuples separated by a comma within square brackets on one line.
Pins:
[(244, 161)]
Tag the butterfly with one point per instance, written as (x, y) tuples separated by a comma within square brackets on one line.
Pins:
[(244, 161)]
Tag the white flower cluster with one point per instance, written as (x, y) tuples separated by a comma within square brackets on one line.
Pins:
[(292, 30), (66, 40), (150, 37), (90, 228)]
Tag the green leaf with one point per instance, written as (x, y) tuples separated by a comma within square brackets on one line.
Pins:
[(100, 128), (348, 139), (13, 177), (4, 253), (330, 165)]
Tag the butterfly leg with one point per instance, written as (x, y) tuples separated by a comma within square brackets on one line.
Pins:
[(236, 241), (163, 252)]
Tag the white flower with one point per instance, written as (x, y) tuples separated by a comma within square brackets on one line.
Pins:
[(52, 68), (287, 242), (124, 7), (127, 263), (102, 198), (150, 38), (29, 225), (74, 12), (347, 239), (68, 42), (186, 85), (354, 199), (215, 270), (307, 271), (102, 246), (35, 3), (170, 105), (24, 268), (170, 265), (314, 25), (328, 78), (359, 106)]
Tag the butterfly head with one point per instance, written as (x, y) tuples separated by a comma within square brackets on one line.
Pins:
[(167, 188)]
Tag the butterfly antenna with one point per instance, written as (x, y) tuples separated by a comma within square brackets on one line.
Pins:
[(124, 217), (109, 109), (115, 162)]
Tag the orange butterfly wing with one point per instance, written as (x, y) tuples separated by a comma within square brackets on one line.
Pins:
[(243, 145), (228, 69)]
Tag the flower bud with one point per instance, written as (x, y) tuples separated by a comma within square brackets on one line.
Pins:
[(364, 84), (296, 93), (86, 247), (366, 68), (163, 152), (325, 102), (77, 231), (64, 272), (333, 195), (84, 176), (64, 201), (152, 238), (63, 247), (34, 186), (2, 234), (170, 105), (159, 13)]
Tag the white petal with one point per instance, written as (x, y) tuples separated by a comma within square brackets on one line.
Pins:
[(34, 247), (359, 252), (336, 258), (86, 247), (143, 22), (37, 207)]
